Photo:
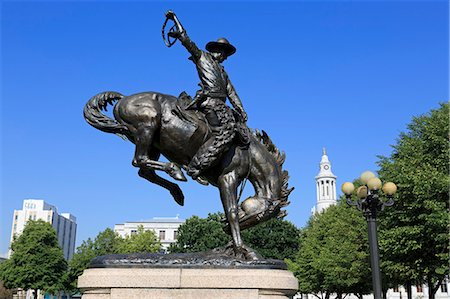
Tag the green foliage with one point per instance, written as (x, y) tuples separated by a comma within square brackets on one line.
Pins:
[(142, 241), (37, 261), (80, 261), (275, 238), (106, 242), (109, 242), (333, 255), (414, 232), (199, 234)]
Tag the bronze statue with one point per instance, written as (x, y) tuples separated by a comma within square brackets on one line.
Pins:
[(210, 99), (211, 141)]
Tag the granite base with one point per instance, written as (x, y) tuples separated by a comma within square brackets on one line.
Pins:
[(187, 283)]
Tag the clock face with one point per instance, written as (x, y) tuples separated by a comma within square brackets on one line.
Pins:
[(326, 167)]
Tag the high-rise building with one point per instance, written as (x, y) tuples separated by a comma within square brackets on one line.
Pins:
[(166, 229), (64, 224), (325, 185)]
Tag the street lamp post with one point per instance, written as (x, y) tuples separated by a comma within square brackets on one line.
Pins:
[(370, 204)]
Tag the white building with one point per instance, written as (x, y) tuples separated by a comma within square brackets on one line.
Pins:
[(166, 229), (325, 185), (64, 224)]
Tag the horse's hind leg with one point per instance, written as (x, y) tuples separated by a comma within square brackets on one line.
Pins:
[(150, 175), (143, 139), (144, 134)]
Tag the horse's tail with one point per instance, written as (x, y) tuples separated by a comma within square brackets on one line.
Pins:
[(279, 157), (94, 116)]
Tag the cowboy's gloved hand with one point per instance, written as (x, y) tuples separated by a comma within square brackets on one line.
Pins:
[(170, 15)]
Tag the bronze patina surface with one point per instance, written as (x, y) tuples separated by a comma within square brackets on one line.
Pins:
[(203, 136)]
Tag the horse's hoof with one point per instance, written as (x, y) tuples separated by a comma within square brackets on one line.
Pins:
[(180, 177), (251, 256), (202, 181), (176, 173)]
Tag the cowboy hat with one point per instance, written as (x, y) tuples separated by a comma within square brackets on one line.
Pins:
[(221, 44)]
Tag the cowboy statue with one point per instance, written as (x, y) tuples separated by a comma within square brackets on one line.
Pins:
[(216, 87)]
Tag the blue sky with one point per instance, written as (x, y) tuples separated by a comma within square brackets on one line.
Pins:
[(345, 75)]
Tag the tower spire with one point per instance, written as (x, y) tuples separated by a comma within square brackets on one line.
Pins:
[(325, 184)]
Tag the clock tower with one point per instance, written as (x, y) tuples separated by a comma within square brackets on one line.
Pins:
[(325, 185)]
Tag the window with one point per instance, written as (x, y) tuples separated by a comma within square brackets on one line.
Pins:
[(133, 231), (444, 288), (175, 234), (16, 217), (162, 234), (64, 234), (396, 289), (70, 237), (57, 224)]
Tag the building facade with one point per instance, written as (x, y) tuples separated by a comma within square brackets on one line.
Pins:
[(166, 229), (64, 224)]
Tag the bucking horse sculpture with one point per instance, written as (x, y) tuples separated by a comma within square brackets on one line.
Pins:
[(160, 124)]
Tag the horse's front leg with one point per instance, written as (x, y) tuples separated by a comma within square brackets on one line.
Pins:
[(143, 140), (228, 194), (228, 184)]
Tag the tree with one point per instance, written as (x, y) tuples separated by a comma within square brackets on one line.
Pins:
[(37, 261), (275, 238), (106, 242), (140, 242), (199, 234), (79, 262), (4, 292), (414, 232), (333, 255), (109, 242)]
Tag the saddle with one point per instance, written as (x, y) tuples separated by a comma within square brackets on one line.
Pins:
[(184, 105)]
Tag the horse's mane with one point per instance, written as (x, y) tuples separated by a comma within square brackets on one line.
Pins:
[(279, 157)]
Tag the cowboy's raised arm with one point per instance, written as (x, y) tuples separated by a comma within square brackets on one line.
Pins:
[(235, 100), (181, 34)]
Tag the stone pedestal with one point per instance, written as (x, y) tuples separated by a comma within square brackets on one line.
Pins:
[(186, 283)]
